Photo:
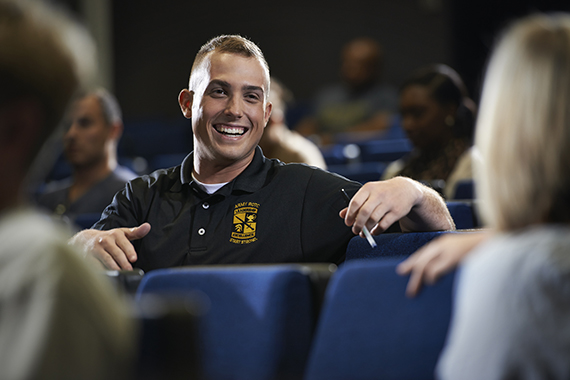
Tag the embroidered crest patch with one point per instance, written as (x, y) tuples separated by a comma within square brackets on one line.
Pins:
[(244, 223)]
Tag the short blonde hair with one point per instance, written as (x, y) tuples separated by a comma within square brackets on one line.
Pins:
[(233, 44), (523, 130)]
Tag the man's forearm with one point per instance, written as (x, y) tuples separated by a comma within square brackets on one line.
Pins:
[(430, 213)]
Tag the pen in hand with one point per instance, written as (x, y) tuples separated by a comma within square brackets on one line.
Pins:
[(367, 234)]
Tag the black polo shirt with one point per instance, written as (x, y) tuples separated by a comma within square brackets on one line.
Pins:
[(271, 213)]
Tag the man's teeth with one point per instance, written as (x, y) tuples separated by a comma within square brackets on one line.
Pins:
[(231, 130)]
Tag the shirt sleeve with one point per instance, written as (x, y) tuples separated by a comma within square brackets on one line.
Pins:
[(124, 210), (324, 236)]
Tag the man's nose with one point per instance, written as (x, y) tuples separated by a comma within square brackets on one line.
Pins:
[(234, 107), (70, 133)]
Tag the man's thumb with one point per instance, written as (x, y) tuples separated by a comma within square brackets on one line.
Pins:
[(138, 232)]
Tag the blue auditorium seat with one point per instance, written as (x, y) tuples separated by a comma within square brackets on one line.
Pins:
[(151, 137), (260, 322), (163, 161), (385, 150), (462, 214), (369, 329), (360, 172), (465, 189), (389, 245), (84, 221), (334, 154)]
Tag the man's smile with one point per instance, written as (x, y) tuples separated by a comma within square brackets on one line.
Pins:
[(230, 130)]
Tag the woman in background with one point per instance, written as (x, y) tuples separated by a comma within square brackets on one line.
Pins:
[(438, 117)]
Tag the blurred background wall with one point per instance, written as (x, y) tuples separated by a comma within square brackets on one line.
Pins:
[(146, 47)]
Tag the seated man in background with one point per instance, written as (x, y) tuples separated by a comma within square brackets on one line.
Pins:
[(58, 319), (278, 141), (226, 203), (94, 127), (359, 103)]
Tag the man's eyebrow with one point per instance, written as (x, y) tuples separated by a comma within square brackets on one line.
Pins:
[(253, 88), (219, 83), (245, 88)]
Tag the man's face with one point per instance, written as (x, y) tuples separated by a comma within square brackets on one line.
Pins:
[(88, 135), (229, 111), (359, 65)]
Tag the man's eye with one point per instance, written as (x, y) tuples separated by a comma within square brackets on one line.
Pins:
[(218, 91), (252, 97), (84, 122)]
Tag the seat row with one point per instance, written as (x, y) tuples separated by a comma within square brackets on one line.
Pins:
[(303, 321)]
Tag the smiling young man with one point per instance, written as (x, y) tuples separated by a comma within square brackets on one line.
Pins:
[(227, 203), (229, 107)]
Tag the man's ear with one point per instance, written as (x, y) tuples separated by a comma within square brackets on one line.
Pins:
[(116, 130), (268, 108), (185, 99)]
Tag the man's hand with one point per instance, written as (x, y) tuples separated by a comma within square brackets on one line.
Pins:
[(437, 258), (111, 248), (377, 205)]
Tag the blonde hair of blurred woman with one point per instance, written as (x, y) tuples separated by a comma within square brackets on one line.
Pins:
[(524, 174)]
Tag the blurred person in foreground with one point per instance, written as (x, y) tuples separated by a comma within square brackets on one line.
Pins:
[(278, 141), (511, 317), (438, 118), (93, 128), (58, 319), (359, 104)]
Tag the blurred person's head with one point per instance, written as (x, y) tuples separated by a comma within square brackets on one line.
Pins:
[(435, 107), (361, 61), (94, 127), (523, 129), (39, 72), (279, 96)]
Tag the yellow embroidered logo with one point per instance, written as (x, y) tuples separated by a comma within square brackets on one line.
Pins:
[(245, 223)]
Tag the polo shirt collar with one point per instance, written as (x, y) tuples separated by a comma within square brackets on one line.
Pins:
[(250, 180), (186, 169), (254, 176)]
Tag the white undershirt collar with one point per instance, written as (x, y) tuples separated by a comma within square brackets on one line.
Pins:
[(209, 188)]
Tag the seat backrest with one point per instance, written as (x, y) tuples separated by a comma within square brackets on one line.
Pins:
[(389, 245), (87, 220), (260, 320), (385, 150), (369, 329), (463, 214), (465, 189)]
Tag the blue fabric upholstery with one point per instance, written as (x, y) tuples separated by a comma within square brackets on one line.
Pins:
[(465, 189), (163, 161), (147, 138), (385, 150), (361, 171), (369, 329), (389, 244), (260, 322), (462, 214), (84, 221)]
